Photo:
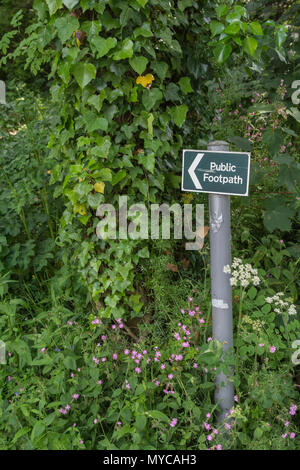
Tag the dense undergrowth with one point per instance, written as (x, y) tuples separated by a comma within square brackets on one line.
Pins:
[(109, 343)]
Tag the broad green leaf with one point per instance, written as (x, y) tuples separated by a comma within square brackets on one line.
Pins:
[(178, 114), (144, 30), (183, 4), (233, 17), (84, 73), (142, 2), (222, 10), (241, 143), (69, 362), (222, 52), (295, 113), (140, 422), (70, 3), (277, 217), (216, 27), (150, 124), (103, 46), (117, 177), (126, 50), (233, 28), (252, 292), (250, 45), (150, 97), (256, 28), (273, 138), (37, 430), (66, 26), (139, 64), (53, 6), (94, 123), (280, 37), (156, 414), (148, 161), (185, 85)]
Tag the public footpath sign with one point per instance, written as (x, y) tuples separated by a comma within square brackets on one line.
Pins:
[(209, 171)]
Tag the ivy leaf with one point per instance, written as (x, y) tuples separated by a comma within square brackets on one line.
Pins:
[(70, 4), (126, 50), (222, 52), (250, 45), (185, 85), (150, 97), (139, 64), (66, 26), (216, 27), (178, 114), (94, 123), (53, 6), (84, 73), (103, 46), (148, 161)]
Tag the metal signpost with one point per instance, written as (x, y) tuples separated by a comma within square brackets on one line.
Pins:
[(2, 92), (220, 173)]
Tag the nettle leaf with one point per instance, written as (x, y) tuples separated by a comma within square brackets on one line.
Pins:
[(70, 3), (222, 52), (53, 6), (84, 73), (66, 26), (150, 97), (103, 46), (241, 143), (273, 138), (37, 430), (139, 64), (126, 50), (277, 216), (178, 114), (250, 45), (216, 27), (185, 85)]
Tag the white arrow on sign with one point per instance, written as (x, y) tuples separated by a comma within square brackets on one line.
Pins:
[(192, 169)]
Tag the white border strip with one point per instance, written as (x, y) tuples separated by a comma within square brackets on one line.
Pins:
[(215, 192)]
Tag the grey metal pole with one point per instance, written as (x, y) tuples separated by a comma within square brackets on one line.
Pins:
[(221, 291)]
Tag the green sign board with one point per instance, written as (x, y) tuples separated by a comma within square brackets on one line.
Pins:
[(207, 171)]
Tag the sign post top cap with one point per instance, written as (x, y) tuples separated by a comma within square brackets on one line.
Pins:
[(218, 143)]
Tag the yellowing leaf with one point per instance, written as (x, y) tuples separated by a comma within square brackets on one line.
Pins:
[(99, 187), (145, 80)]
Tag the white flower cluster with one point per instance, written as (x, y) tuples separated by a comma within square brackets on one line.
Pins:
[(257, 325), (281, 306), (242, 274)]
